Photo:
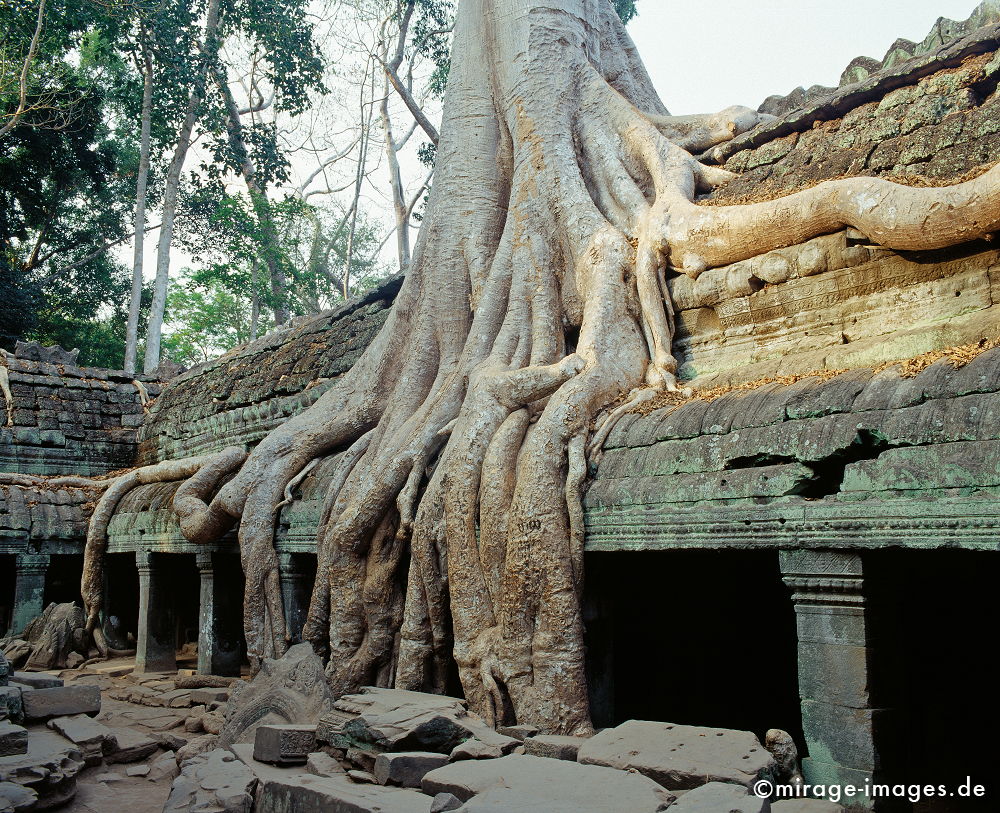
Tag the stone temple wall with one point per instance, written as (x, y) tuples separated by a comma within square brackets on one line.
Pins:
[(64, 419), (238, 398)]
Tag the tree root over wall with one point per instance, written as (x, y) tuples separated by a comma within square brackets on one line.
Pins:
[(536, 298)]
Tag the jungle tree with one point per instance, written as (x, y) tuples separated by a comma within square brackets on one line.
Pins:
[(536, 297)]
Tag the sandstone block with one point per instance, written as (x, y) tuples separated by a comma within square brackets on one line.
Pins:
[(49, 768), (61, 701), (444, 802), (13, 739), (554, 746), (137, 770), (518, 732), (475, 749), (131, 745), (15, 798), (720, 797), (524, 783), (216, 780), (406, 769), (680, 757), (94, 740), (206, 696), (335, 795), (36, 680), (284, 744)]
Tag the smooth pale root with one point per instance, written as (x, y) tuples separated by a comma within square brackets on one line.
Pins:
[(535, 298)]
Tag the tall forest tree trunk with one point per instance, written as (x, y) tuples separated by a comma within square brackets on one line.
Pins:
[(135, 300), (535, 299), (171, 188)]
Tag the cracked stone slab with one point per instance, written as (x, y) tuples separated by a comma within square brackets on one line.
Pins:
[(215, 780), (335, 794), (720, 797), (524, 783), (680, 757)]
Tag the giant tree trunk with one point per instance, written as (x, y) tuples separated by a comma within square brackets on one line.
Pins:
[(534, 300)]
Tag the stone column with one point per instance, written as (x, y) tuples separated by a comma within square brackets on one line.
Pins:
[(218, 626), (841, 728), (296, 592), (156, 645), (29, 590)]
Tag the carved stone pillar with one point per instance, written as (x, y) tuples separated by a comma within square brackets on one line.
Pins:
[(218, 624), (841, 728), (296, 591), (156, 644), (29, 590)]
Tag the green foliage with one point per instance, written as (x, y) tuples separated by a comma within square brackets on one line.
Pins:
[(626, 9)]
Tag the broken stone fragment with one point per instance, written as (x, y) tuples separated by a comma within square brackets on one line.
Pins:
[(94, 740), (60, 701), (49, 768), (13, 739), (716, 797), (284, 744), (680, 757), (518, 732), (36, 680), (203, 697), (524, 783), (474, 749), (215, 780), (321, 764), (444, 802), (554, 746), (304, 792), (406, 769), (362, 777), (131, 745), (164, 767), (137, 770), (15, 798)]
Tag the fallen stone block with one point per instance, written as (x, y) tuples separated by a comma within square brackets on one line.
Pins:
[(400, 720), (292, 689), (554, 746), (60, 701), (680, 757), (525, 783), (36, 680), (444, 802), (321, 764), (15, 798), (49, 768), (362, 777), (284, 744), (338, 794), (177, 699), (196, 747), (204, 681), (13, 739), (94, 740), (518, 732), (215, 780), (406, 769), (720, 797), (137, 770), (131, 745), (168, 741), (474, 749), (362, 758), (11, 706), (202, 697), (806, 806), (164, 767)]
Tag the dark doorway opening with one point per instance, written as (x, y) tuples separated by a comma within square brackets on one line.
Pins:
[(62, 580), (932, 623), (692, 637), (121, 600), (8, 584)]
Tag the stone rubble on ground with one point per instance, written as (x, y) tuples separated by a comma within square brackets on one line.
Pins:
[(720, 797), (680, 757)]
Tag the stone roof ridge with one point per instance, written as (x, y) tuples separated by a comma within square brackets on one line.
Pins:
[(386, 288), (820, 104), (860, 68)]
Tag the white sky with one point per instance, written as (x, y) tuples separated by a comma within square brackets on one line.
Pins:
[(704, 56)]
